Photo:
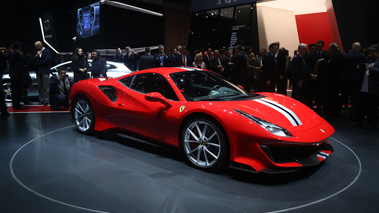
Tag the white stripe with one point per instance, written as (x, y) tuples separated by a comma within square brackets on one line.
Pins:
[(323, 153), (287, 110), (321, 156), (290, 119)]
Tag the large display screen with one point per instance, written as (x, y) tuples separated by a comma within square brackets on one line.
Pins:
[(88, 21)]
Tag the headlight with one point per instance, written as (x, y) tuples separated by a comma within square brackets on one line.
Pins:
[(272, 128)]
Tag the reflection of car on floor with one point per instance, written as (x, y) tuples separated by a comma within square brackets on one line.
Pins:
[(212, 121), (115, 69)]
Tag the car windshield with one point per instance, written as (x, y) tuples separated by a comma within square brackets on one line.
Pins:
[(198, 85)]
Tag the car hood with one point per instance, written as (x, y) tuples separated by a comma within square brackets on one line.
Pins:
[(280, 110)]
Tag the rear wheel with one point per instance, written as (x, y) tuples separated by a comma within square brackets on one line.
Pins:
[(84, 116), (204, 145)]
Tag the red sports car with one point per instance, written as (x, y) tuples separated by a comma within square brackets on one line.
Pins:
[(214, 122)]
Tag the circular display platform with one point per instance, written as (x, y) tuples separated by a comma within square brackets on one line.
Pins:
[(114, 173)]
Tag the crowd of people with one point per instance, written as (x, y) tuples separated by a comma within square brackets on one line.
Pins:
[(325, 80)]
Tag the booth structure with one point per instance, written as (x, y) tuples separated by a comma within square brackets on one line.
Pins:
[(224, 23)]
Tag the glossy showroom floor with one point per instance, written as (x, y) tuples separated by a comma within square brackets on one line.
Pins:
[(46, 166)]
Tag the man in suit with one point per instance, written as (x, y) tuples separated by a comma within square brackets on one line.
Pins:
[(42, 59), (172, 60), (300, 75), (130, 58), (351, 81), (146, 61), (118, 57), (317, 84), (207, 58), (216, 63), (281, 59), (270, 69), (184, 60), (332, 80), (161, 58), (239, 68)]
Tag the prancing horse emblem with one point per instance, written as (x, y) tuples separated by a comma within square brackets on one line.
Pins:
[(182, 108)]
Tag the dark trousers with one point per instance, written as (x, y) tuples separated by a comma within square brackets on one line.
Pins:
[(58, 100), (3, 106), (301, 93), (316, 94), (346, 92), (331, 104), (368, 104), (281, 86), (16, 86), (269, 88)]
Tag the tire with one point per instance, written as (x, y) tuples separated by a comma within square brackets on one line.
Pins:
[(83, 115), (205, 145)]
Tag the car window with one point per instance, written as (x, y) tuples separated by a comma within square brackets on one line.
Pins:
[(150, 82), (66, 67), (111, 66)]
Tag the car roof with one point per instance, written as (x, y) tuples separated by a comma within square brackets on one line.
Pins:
[(169, 70)]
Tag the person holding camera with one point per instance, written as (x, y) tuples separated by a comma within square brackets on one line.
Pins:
[(161, 58), (59, 90)]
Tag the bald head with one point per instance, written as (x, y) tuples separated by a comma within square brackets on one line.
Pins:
[(38, 45), (356, 47)]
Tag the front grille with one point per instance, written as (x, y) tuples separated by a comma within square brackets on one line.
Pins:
[(303, 154)]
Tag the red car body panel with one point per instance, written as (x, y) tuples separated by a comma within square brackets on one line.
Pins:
[(248, 140)]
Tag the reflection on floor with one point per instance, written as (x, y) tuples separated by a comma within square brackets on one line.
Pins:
[(47, 166)]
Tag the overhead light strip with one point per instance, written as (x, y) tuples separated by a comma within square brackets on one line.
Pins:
[(43, 37), (130, 7)]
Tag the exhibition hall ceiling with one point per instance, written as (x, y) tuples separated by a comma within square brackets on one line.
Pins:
[(297, 6)]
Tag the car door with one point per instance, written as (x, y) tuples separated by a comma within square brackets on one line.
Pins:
[(147, 118)]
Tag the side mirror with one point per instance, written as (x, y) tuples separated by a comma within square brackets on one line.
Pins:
[(157, 97)]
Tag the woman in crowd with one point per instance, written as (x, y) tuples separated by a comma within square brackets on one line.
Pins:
[(198, 62), (79, 65)]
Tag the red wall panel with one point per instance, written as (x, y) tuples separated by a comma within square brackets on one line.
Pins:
[(314, 27)]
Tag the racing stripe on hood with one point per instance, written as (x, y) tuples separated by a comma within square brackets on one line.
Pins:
[(290, 115)]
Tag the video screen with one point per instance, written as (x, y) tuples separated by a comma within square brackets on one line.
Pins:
[(88, 21)]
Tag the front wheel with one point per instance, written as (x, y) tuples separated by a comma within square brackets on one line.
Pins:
[(84, 116), (204, 145)]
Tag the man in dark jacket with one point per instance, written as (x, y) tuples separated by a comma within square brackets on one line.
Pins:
[(300, 74), (239, 68), (42, 65), (270, 69), (17, 63), (332, 81), (99, 65), (351, 80), (146, 61)]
